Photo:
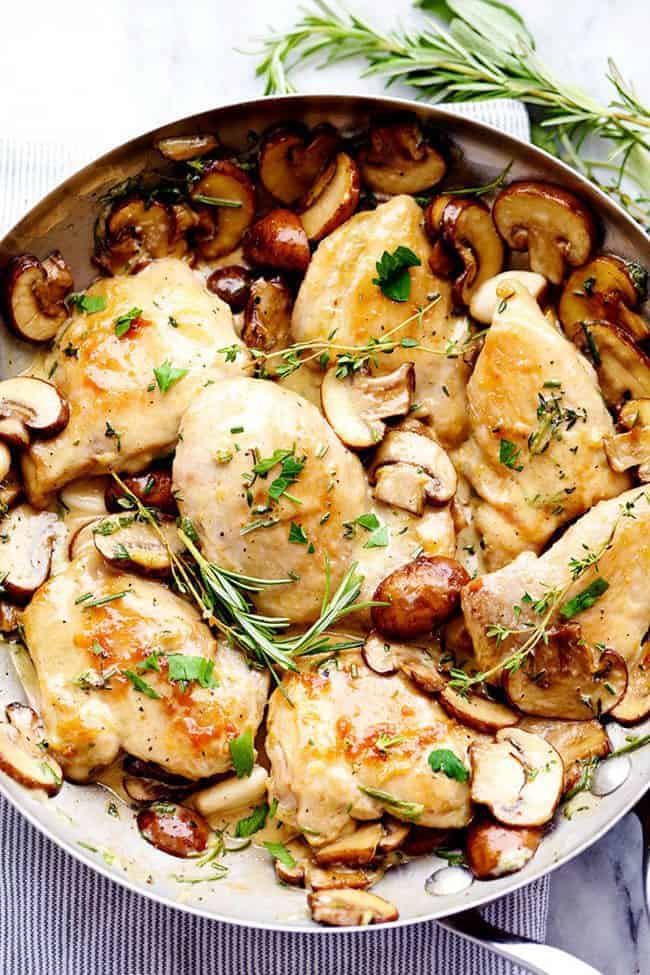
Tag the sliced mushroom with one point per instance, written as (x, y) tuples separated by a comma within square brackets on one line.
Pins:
[(477, 712), (632, 448), (11, 489), (357, 849), (135, 546), (348, 907), (426, 456), (332, 199), (357, 405), (484, 300), (23, 751), (602, 290), (465, 227), (395, 835), (267, 319), (338, 878), (144, 791), (278, 240), (174, 829), (139, 768), (623, 369), (225, 200), (553, 225), (420, 595), (422, 666), (14, 432), (494, 850), (422, 840), (5, 461), (518, 777), (635, 706), (577, 742), (402, 486), (565, 678), (232, 793), (153, 488), (399, 160), (291, 159), (232, 284), (181, 148), (378, 654), (10, 617), (33, 403), (136, 233), (26, 542), (294, 874), (35, 294)]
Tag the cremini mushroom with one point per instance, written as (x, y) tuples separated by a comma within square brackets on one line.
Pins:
[(422, 840), (422, 665), (464, 226), (136, 546), (603, 290), (278, 240), (399, 159), (25, 556), (395, 835), (232, 793), (30, 407), (434, 477), (291, 158), (267, 319), (379, 655), (356, 406), (35, 293), (144, 791), (10, 617), (181, 148), (135, 232), (553, 225), (420, 595), (339, 877), (485, 301), (356, 849), (494, 850), (225, 201), (632, 447), (475, 711), (232, 284), (577, 742), (563, 677), (24, 752), (623, 368), (174, 829), (11, 489), (518, 777), (636, 703), (332, 199), (349, 907), (153, 488), (5, 461), (292, 872)]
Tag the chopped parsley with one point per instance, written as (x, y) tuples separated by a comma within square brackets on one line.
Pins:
[(509, 455), (393, 278), (242, 754), (585, 599), (253, 823), (124, 322), (407, 810), (184, 667), (86, 303), (279, 852), (167, 375), (444, 760), (141, 685), (297, 534)]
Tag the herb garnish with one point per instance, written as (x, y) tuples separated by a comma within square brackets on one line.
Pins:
[(394, 280), (509, 455), (242, 754), (112, 434), (585, 599), (141, 685), (297, 534), (184, 668), (216, 201), (86, 303), (253, 823), (279, 852), (444, 760), (124, 322), (407, 810), (167, 375)]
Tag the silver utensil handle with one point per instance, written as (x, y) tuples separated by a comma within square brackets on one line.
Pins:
[(537, 958)]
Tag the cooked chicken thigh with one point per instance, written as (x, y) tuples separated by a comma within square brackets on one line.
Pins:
[(121, 415), (331, 742), (91, 659), (619, 532), (535, 454), (338, 295), (288, 518)]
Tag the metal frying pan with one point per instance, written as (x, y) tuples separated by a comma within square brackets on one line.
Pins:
[(64, 220)]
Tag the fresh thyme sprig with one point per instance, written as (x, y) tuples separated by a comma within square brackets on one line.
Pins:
[(486, 52), (223, 596)]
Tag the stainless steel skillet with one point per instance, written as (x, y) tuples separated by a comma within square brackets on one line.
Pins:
[(250, 894)]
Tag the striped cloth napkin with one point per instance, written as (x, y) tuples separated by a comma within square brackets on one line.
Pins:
[(58, 917)]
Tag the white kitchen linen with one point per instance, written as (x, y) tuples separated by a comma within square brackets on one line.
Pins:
[(59, 917)]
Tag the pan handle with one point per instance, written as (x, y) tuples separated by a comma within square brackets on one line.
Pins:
[(642, 812), (539, 959)]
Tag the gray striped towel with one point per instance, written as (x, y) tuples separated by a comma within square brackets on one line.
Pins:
[(58, 917)]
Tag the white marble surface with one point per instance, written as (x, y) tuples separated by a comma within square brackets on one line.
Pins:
[(94, 74)]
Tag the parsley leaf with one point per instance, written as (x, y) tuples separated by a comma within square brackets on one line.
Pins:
[(370, 521), (242, 754), (280, 852), (509, 454), (166, 375), (86, 303), (585, 599), (444, 760), (379, 538), (297, 534), (184, 667), (251, 824), (407, 810), (394, 279), (123, 323), (141, 685)]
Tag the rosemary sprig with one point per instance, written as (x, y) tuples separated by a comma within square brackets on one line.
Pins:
[(486, 52)]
